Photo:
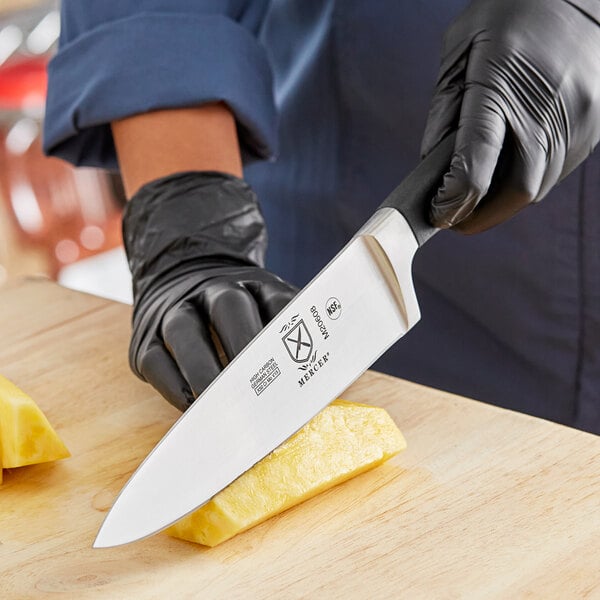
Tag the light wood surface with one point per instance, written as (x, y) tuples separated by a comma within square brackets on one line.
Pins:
[(7, 6), (16, 258), (484, 503)]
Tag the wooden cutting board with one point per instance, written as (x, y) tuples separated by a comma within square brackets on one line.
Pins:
[(484, 503)]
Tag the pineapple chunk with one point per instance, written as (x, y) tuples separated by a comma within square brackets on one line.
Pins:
[(26, 436), (343, 440)]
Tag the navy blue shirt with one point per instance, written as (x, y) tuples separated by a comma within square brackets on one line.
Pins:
[(331, 100)]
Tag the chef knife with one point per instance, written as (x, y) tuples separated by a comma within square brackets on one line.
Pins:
[(326, 337)]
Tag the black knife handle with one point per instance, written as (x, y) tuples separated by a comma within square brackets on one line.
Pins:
[(413, 196)]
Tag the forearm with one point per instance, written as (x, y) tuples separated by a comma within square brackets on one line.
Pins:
[(160, 143)]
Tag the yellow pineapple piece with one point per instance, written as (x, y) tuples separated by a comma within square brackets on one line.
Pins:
[(26, 436), (343, 440)]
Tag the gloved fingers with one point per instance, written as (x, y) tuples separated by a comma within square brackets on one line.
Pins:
[(158, 368), (526, 171), (233, 314), (537, 163), (188, 340), (555, 170), (444, 111), (479, 140), (272, 297)]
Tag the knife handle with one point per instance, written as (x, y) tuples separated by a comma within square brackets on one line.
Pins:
[(413, 196)]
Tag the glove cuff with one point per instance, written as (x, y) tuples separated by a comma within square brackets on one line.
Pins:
[(191, 216)]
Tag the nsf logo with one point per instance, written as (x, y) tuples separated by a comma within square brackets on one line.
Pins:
[(333, 308)]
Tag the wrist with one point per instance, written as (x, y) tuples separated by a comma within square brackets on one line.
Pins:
[(157, 144)]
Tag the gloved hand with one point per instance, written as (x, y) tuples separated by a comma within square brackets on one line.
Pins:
[(520, 79), (195, 243)]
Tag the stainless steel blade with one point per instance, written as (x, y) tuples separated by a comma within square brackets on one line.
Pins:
[(336, 327)]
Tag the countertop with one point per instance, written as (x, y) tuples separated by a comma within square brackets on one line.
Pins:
[(484, 503)]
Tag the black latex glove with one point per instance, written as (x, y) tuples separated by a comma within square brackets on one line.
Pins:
[(195, 243), (520, 79)]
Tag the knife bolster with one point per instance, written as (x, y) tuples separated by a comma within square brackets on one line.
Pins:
[(392, 244)]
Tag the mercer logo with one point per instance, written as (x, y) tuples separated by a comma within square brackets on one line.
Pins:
[(298, 342)]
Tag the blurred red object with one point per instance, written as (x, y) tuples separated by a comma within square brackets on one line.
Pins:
[(22, 84), (70, 213)]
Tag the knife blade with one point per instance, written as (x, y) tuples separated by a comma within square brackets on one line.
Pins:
[(331, 332)]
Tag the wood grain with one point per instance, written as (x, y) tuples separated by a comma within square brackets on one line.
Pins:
[(484, 503)]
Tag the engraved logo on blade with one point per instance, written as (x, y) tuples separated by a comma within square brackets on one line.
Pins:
[(265, 376), (298, 342), (333, 308)]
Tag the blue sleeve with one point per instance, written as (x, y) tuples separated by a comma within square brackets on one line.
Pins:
[(117, 58)]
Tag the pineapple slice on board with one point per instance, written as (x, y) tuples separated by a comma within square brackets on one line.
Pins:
[(26, 436), (342, 441)]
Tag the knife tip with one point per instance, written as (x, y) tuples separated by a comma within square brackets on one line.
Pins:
[(105, 540), (101, 541)]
